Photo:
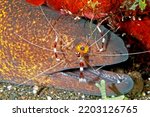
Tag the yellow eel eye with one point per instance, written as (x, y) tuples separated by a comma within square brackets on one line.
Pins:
[(82, 48)]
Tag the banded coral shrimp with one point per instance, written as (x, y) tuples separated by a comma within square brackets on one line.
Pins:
[(27, 47)]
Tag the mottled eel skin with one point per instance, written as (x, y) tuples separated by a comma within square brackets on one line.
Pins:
[(27, 57)]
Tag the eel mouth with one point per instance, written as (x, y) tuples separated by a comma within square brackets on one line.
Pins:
[(116, 84)]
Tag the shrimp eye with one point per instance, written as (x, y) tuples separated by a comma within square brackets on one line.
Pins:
[(82, 48)]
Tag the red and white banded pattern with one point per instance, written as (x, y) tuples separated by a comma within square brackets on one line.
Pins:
[(82, 79)]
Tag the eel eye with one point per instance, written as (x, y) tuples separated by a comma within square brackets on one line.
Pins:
[(82, 48)]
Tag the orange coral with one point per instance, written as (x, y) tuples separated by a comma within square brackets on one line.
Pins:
[(138, 29), (36, 2), (87, 8)]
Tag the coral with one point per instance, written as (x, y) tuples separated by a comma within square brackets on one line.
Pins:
[(36, 2), (138, 29), (87, 8)]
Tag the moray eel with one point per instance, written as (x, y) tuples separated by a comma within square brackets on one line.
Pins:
[(27, 40)]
